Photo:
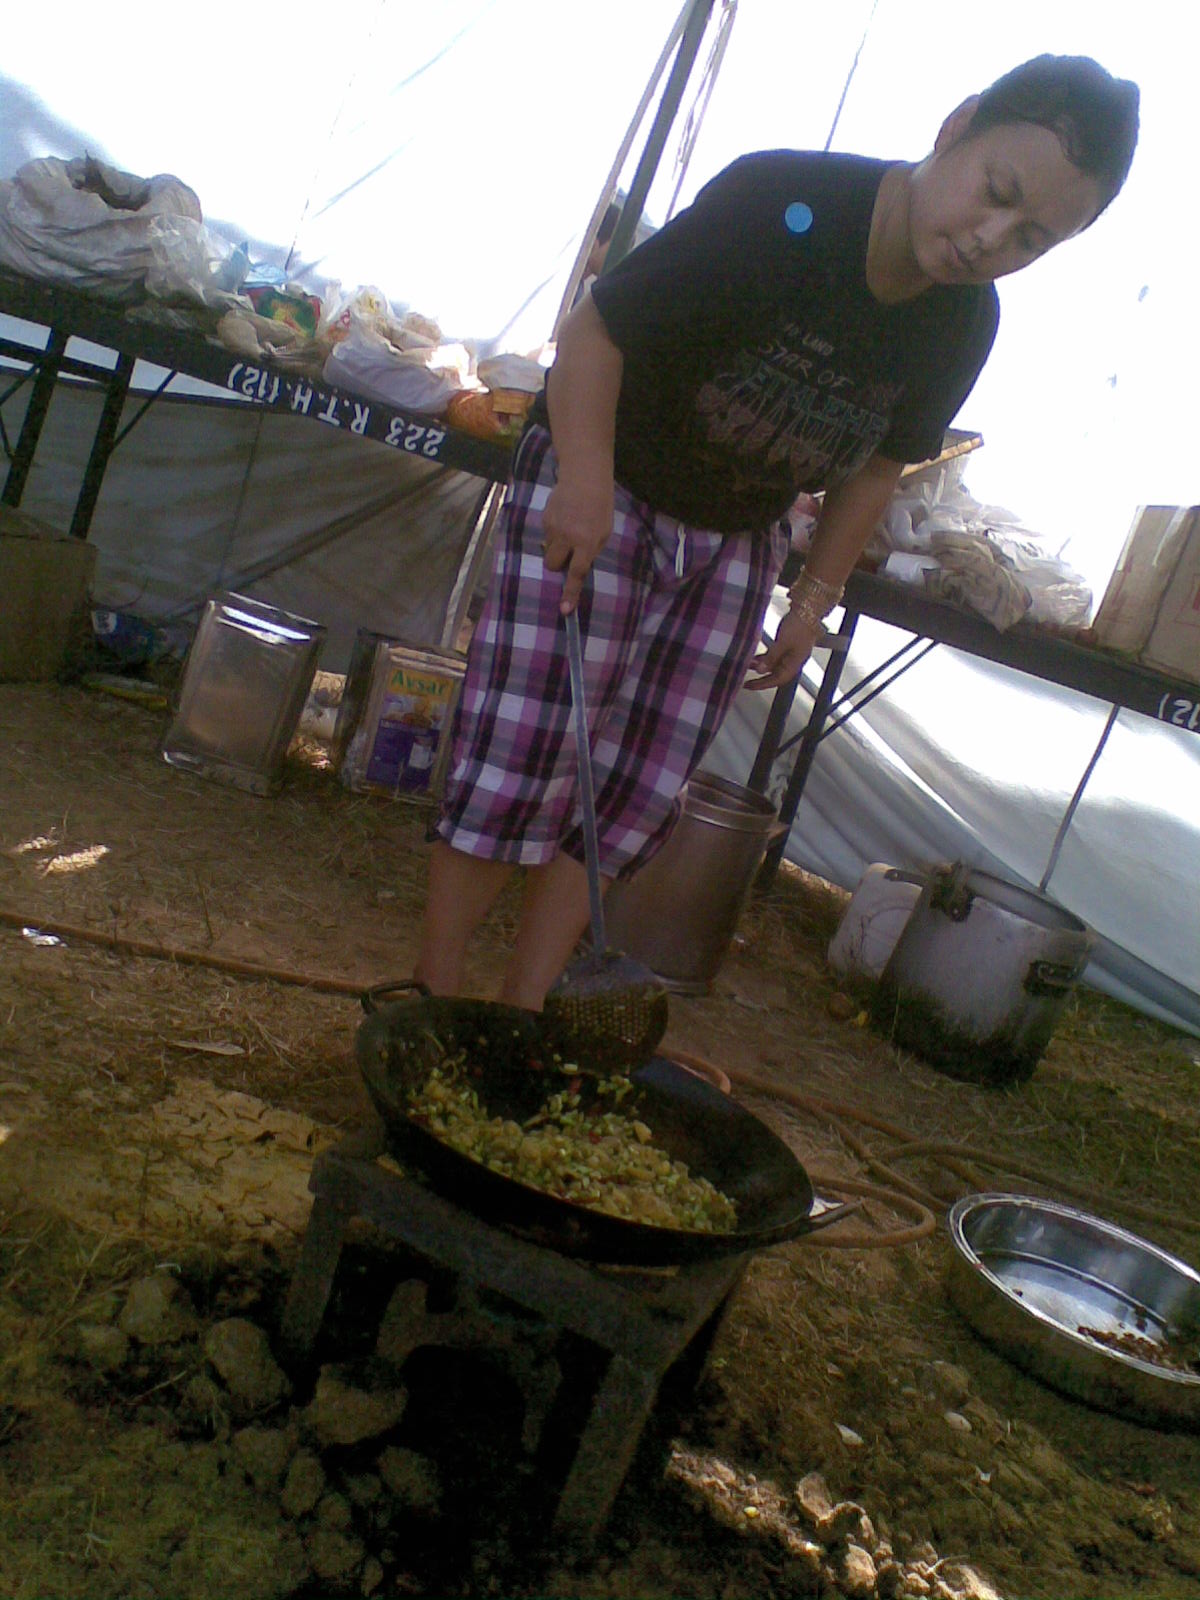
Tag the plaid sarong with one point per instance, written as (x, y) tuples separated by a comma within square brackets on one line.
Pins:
[(670, 616)]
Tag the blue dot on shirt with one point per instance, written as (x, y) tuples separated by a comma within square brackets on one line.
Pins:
[(798, 217)]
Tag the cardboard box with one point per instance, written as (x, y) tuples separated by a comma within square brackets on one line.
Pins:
[(1151, 608), (45, 582)]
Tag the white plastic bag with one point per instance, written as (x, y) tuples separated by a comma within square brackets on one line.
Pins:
[(1059, 596), (936, 520), (512, 372), (367, 309), (340, 311), (87, 225), (190, 262), (421, 380)]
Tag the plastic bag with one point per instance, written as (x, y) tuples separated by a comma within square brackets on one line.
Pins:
[(1059, 596), (422, 380), (938, 518), (475, 411), (368, 309), (402, 361), (970, 571), (190, 262), (339, 311), (87, 225), (512, 372), (254, 337)]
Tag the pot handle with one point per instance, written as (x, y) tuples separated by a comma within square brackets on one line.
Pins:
[(378, 992), (1050, 977), (949, 891)]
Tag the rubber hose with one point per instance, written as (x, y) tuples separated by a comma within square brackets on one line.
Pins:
[(179, 953), (753, 1082), (1049, 1180), (833, 1110), (909, 1144)]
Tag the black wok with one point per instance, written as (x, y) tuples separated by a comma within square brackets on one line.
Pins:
[(692, 1121)]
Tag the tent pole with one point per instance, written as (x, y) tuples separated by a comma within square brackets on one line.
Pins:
[(631, 214), (695, 117), (487, 509), (1076, 798), (610, 183)]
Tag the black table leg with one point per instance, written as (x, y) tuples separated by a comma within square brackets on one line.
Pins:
[(808, 749), (35, 415), (115, 390)]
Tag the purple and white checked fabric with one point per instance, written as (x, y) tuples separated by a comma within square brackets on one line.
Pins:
[(670, 616)]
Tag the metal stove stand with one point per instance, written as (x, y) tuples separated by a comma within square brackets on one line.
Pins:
[(645, 1324)]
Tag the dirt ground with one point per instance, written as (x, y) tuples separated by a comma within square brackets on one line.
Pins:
[(160, 1117)]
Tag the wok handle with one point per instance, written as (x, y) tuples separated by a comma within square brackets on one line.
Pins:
[(378, 992), (834, 1214)]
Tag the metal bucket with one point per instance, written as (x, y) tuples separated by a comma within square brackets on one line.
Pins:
[(678, 914), (979, 976)]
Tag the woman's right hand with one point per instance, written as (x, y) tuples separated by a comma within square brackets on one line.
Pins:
[(578, 520)]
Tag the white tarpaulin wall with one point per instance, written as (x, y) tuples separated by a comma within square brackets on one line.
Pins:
[(452, 154), (204, 497)]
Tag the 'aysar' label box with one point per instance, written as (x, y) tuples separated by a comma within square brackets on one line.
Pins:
[(396, 708)]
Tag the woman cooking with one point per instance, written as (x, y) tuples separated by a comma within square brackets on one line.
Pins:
[(813, 322)]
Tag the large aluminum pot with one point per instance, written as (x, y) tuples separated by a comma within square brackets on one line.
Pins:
[(678, 914), (979, 976)]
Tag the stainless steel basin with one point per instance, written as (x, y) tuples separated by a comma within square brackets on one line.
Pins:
[(1096, 1312)]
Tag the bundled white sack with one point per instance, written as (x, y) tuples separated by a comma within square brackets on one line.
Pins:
[(411, 380), (936, 534), (87, 225)]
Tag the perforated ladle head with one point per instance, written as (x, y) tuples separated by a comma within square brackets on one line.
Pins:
[(614, 1005)]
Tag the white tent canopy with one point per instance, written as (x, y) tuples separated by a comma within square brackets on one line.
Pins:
[(452, 155)]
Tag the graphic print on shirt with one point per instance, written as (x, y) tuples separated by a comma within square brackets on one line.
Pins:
[(784, 404)]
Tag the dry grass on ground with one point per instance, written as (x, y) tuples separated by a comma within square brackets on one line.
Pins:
[(120, 1071)]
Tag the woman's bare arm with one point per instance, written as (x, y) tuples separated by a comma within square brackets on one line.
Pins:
[(581, 397)]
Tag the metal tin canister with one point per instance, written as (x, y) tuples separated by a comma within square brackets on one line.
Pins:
[(244, 685), (396, 707)]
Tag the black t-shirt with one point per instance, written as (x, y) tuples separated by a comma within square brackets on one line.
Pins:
[(758, 364)]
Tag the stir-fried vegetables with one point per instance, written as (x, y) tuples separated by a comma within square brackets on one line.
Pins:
[(602, 1158)]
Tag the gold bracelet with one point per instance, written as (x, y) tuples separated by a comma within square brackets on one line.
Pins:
[(812, 599)]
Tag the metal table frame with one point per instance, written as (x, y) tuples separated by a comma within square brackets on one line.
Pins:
[(1114, 679), (66, 314)]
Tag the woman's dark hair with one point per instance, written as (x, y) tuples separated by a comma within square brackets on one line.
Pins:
[(1094, 114)]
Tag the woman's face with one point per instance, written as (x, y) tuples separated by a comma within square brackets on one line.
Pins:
[(986, 205)]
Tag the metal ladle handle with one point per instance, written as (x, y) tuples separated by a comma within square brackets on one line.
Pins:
[(587, 792)]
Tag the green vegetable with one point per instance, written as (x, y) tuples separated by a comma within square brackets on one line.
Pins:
[(602, 1159)]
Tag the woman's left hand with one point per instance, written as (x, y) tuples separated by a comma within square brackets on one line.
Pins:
[(782, 659)]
